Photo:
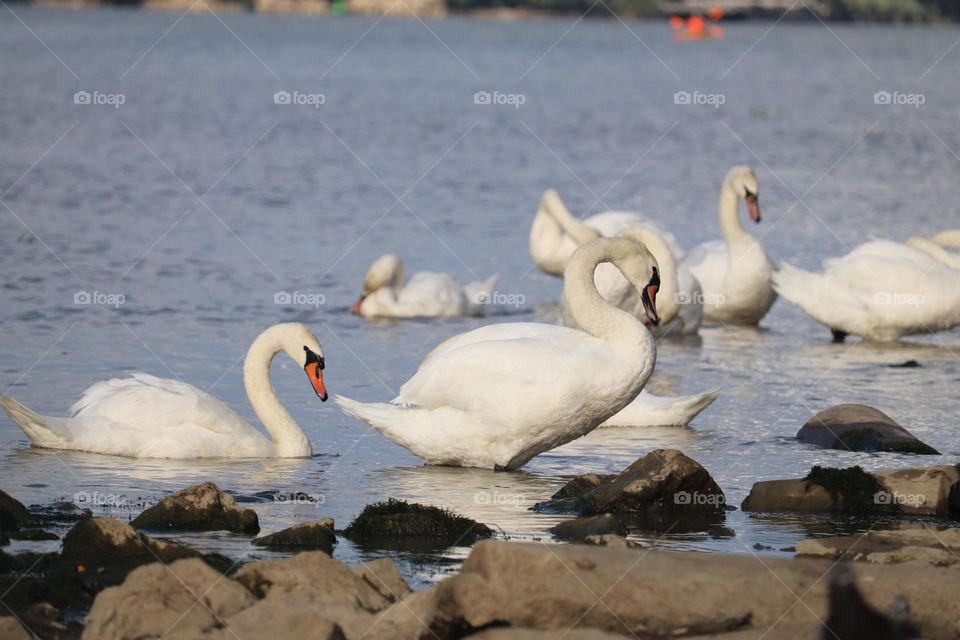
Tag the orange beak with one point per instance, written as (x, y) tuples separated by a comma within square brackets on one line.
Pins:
[(355, 309), (315, 374)]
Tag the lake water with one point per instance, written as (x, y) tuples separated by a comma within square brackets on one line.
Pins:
[(199, 198)]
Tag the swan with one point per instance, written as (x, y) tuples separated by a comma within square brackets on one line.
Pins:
[(937, 247), (881, 290), (735, 273), (681, 309), (426, 294), (147, 417), (497, 402)]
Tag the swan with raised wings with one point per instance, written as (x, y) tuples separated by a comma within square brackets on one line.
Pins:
[(735, 273), (147, 417), (387, 293), (498, 402), (881, 290)]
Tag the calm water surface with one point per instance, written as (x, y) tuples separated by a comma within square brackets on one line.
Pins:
[(199, 198)]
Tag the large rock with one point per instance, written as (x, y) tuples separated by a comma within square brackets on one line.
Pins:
[(922, 491), (664, 479), (179, 600), (938, 547), (382, 575), (99, 542), (857, 427), (307, 535), (203, 507), (399, 524), (580, 485)]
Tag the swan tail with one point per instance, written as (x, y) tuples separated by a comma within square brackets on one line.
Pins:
[(830, 305), (391, 420), (42, 431), (648, 410), (480, 293)]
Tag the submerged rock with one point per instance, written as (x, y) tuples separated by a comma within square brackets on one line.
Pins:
[(202, 507), (395, 523), (922, 491), (34, 534), (662, 479), (579, 528), (615, 541), (858, 427), (307, 535)]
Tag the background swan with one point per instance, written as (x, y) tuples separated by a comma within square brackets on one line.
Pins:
[(147, 417), (735, 273), (426, 294), (496, 403), (881, 290)]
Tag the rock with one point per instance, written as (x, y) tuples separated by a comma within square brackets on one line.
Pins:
[(852, 617), (923, 491), (13, 515), (533, 634), (664, 479), (582, 484), (579, 528), (179, 600), (203, 507), (278, 619), (912, 544), (308, 535), (382, 575), (395, 523), (43, 619), (106, 541), (615, 541), (857, 427), (10, 629), (664, 594), (34, 534)]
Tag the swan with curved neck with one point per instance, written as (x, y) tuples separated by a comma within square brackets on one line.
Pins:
[(147, 417), (937, 247), (427, 294), (735, 273), (497, 396)]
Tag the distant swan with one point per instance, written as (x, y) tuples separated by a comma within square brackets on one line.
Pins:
[(147, 417), (508, 392), (426, 294)]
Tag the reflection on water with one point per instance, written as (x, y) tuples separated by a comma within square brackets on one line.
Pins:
[(291, 208)]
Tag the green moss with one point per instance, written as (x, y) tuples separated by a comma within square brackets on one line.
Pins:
[(398, 519), (852, 489)]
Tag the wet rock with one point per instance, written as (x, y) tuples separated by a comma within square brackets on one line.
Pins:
[(579, 528), (911, 544), (13, 515), (44, 620), (160, 600), (662, 479), (857, 427), (308, 535), (396, 524), (203, 507), (34, 534), (922, 491), (582, 484), (382, 575), (105, 541), (59, 513), (615, 541)]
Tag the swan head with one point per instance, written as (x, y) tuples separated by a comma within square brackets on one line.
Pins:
[(743, 180), (299, 343), (387, 271), (637, 265)]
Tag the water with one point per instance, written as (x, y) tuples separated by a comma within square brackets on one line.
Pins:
[(199, 198)]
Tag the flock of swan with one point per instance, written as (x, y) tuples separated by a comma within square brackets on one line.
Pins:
[(497, 396)]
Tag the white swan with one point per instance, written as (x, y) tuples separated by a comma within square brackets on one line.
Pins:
[(147, 417), (735, 272), (498, 402), (426, 294), (881, 290), (681, 309)]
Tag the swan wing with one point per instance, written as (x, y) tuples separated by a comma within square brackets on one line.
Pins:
[(612, 223), (708, 263), (431, 294)]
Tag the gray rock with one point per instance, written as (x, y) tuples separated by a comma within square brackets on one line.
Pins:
[(106, 542), (858, 427), (308, 535), (203, 507), (579, 528), (382, 575), (937, 547)]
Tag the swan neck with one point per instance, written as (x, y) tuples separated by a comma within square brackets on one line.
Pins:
[(730, 224), (668, 299), (284, 431)]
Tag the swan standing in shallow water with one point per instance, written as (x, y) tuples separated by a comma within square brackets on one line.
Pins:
[(735, 273), (147, 417), (426, 294), (881, 290), (508, 392)]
